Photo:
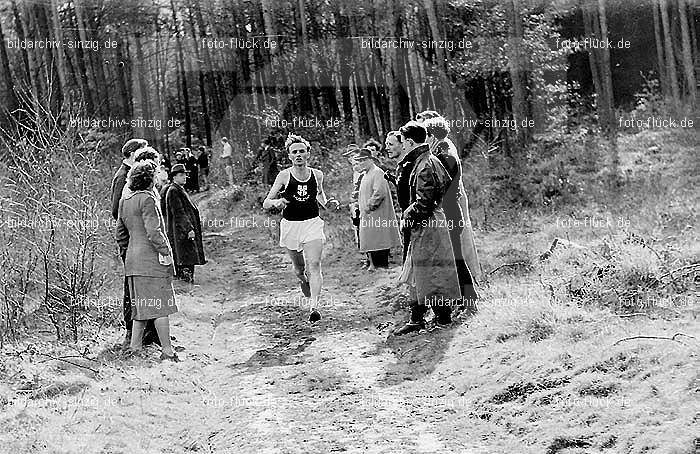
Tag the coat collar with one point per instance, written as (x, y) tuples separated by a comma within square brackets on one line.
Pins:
[(413, 154), (181, 189), (131, 193)]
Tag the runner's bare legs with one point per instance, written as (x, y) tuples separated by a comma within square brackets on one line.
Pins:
[(307, 267), (298, 264), (313, 250)]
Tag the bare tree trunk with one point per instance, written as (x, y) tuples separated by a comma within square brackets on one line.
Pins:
[(355, 107), (38, 88), (41, 31), (306, 81), (687, 53), (606, 72), (693, 36), (58, 52), (270, 31), (183, 76), (10, 94), (202, 90), (19, 29), (414, 75), (344, 48), (441, 60), (519, 78), (122, 81), (143, 86), (83, 62), (365, 85), (413, 78), (99, 70), (663, 79), (670, 55), (591, 19), (212, 81)]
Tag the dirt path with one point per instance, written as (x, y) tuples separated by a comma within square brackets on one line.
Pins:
[(257, 377)]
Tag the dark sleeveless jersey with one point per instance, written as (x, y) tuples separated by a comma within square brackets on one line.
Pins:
[(302, 198)]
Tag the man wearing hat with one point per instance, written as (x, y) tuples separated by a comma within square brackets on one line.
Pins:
[(379, 228), (184, 226)]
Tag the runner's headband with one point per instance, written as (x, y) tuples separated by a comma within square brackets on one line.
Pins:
[(297, 145)]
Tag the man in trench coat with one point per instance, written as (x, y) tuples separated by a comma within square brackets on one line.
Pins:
[(429, 268)]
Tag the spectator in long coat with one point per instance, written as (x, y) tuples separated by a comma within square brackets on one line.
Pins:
[(446, 151), (379, 230), (429, 268), (203, 161), (183, 225), (192, 167), (438, 129)]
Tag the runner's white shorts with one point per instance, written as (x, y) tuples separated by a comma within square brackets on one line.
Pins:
[(294, 234)]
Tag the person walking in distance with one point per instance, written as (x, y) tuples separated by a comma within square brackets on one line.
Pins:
[(298, 190), (227, 159), (192, 166)]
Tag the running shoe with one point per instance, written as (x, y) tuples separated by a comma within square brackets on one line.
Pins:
[(314, 316)]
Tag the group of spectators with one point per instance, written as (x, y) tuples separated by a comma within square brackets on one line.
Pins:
[(197, 167), (440, 261), (159, 234)]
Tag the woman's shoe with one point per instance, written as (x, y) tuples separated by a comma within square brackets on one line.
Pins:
[(129, 353), (174, 358)]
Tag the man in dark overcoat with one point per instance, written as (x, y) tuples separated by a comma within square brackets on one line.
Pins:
[(429, 268), (184, 226)]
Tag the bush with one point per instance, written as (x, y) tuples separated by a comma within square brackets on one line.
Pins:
[(624, 274), (57, 237)]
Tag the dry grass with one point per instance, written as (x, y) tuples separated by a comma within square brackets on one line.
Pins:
[(537, 370)]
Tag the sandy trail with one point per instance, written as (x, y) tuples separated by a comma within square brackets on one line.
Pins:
[(257, 377)]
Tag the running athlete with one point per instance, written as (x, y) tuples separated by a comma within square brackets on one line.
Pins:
[(299, 191)]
